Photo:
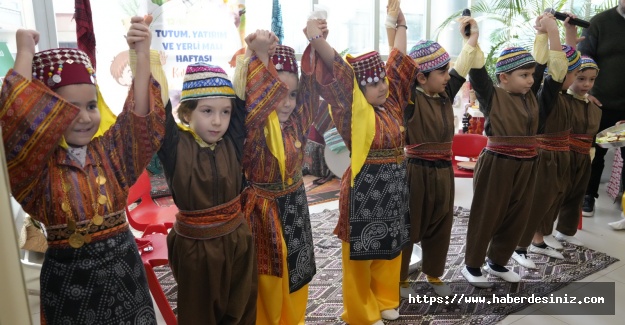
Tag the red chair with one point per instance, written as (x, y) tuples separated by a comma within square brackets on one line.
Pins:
[(147, 212), (153, 249), (466, 145)]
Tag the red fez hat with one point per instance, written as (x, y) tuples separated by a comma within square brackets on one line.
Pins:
[(61, 67), (284, 59), (368, 67)]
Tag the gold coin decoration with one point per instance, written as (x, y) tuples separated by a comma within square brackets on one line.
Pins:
[(87, 238), (66, 187), (298, 144), (97, 220), (402, 128), (65, 207), (101, 180), (400, 160), (76, 240), (289, 181), (102, 199)]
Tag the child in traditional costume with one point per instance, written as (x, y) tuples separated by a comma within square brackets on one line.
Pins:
[(71, 165), (367, 103), (280, 110), (211, 250), (553, 173), (585, 118), (505, 172), (429, 120)]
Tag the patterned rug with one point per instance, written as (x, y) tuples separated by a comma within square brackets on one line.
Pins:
[(321, 193), (325, 293)]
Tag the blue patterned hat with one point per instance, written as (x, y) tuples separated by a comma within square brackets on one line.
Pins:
[(572, 56), (429, 55), (587, 62), (512, 58), (202, 80)]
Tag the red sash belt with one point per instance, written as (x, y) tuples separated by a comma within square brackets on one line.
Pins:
[(581, 143), (430, 151), (518, 147), (558, 141), (210, 223)]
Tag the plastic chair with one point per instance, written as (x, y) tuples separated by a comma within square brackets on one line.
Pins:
[(466, 145), (147, 212), (153, 249)]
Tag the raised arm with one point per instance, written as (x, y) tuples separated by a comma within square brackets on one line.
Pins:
[(26, 41), (396, 27), (138, 39), (317, 31)]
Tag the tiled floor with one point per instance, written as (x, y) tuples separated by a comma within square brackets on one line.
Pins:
[(596, 234)]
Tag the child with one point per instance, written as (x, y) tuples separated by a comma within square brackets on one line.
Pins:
[(280, 110), (75, 179), (585, 118), (430, 131), (553, 142), (373, 218), (505, 171), (211, 251)]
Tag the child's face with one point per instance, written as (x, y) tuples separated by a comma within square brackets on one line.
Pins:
[(518, 81), (583, 82), (286, 106), (375, 92), (86, 123), (210, 119), (570, 78), (435, 82)]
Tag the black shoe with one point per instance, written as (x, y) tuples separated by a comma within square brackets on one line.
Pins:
[(588, 209)]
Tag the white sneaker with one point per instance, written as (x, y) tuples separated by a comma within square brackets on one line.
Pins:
[(552, 242), (441, 289), (508, 276), (406, 292), (569, 239), (618, 225), (476, 281), (380, 322), (390, 314), (523, 260), (545, 251)]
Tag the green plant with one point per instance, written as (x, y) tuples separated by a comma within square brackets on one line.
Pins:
[(516, 21)]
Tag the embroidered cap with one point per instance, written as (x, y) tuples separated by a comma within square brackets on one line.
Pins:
[(572, 56), (284, 59), (63, 66), (368, 67), (429, 55), (512, 58), (587, 62), (202, 80)]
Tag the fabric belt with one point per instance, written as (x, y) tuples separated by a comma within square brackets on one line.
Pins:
[(518, 147), (210, 223), (386, 156), (558, 141), (431, 151), (581, 143), (113, 224)]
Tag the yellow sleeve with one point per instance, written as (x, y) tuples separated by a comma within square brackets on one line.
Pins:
[(541, 48), (469, 58), (156, 69), (558, 65), (240, 75)]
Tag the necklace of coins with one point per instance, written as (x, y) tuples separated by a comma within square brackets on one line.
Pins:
[(81, 235)]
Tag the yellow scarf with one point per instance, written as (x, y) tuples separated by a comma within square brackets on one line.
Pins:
[(107, 118), (275, 142), (197, 138)]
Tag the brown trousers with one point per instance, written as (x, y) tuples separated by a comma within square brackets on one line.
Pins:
[(503, 190), (217, 278), (552, 179), (431, 217), (573, 200)]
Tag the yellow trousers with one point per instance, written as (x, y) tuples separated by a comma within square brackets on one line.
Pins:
[(369, 287), (275, 305)]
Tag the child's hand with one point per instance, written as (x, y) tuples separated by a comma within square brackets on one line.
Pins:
[(26, 40), (572, 29), (463, 21), (262, 41), (314, 27), (139, 36), (548, 22)]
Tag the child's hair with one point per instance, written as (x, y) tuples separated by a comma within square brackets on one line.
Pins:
[(526, 66), (188, 106), (120, 62)]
